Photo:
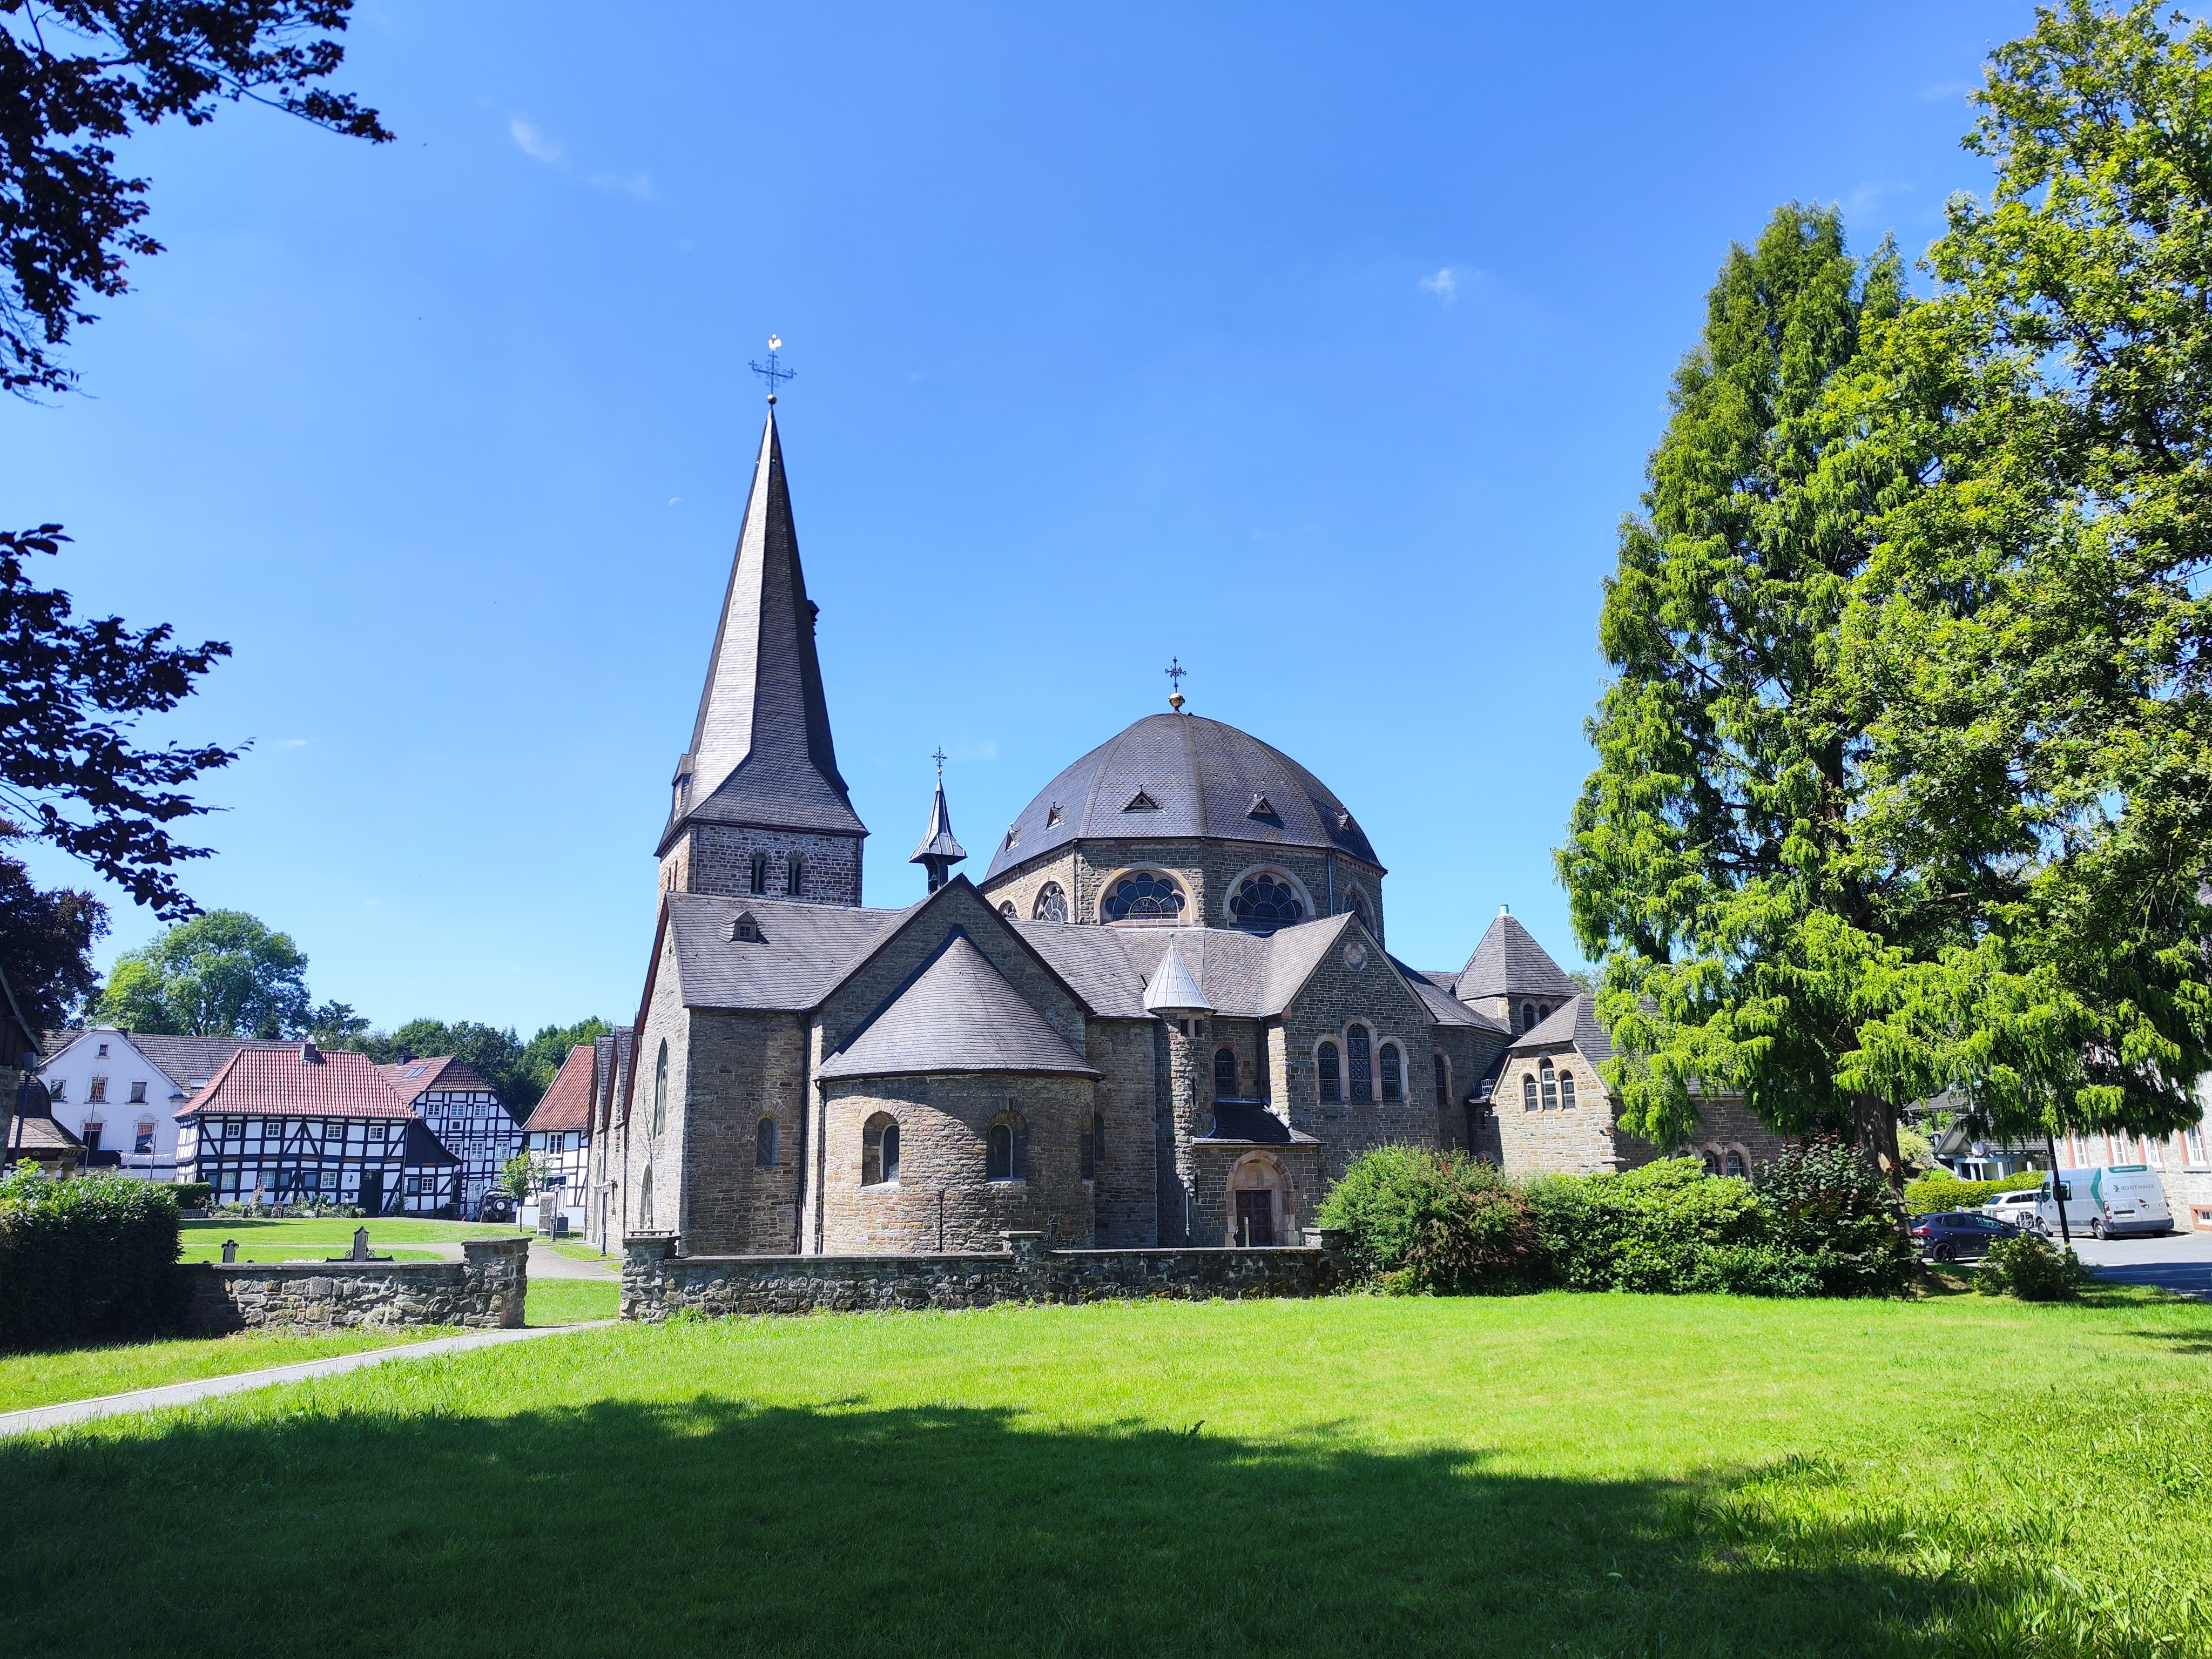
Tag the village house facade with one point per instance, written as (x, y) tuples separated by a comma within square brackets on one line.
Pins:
[(120, 1092), (465, 1114), (558, 1133)]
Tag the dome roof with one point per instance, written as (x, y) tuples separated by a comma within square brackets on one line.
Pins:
[(1182, 777)]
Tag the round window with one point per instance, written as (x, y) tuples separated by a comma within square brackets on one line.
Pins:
[(1146, 895), (1265, 900)]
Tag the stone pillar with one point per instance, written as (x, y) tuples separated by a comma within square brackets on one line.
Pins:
[(1335, 1244), (495, 1277), (1190, 1104), (645, 1274)]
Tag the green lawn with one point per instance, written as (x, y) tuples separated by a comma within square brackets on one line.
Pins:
[(1544, 1475), (45, 1379), (576, 1252), (275, 1240), (570, 1301)]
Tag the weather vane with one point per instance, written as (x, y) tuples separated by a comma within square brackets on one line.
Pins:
[(939, 758), (769, 371), (1176, 671)]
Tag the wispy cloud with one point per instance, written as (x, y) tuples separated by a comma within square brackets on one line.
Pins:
[(985, 750), (533, 143), (635, 184), (541, 146), (1444, 285), (292, 743)]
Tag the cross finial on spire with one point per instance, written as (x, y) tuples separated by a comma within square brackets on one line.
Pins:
[(939, 758), (770, 371), (1176, 671)]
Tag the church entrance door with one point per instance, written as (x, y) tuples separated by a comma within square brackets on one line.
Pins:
[(1254, 1217)]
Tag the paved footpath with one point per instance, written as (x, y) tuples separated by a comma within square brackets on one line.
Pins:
[(207, 1388)]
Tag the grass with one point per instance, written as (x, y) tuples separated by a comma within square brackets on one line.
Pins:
[(576, 1252), (1544, 1475), (331, 1236), (570, 1301), (47, 1379)]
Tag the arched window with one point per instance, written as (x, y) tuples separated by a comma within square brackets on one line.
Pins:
[(1713, 1162), (760, 873), (879, 1150), (1443, 1068), (1359, 908), (661, 1089), (1002, 1149), (1550, 1086), (1733, 1164), (645, 1201), (1567, 1091), (793, 870), (1265, 900), (1543, 1012), (1144, 896), (764, 1143), (1394, 1072), (1051, 903), (1331, 1091), (1528, 1091), (1224, 1073), (1006, 909), (1090, 1148), (1527, 1016), (1356, 1050)]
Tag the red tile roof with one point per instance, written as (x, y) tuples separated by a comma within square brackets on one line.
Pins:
[(411, 1078), (568, 1104), (281, 1083)]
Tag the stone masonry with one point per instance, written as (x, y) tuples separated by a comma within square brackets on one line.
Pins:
[(484, 1290)]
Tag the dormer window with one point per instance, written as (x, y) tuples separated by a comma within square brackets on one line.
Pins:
[(1261, 808), (1013, 837), (1052, 817), (1141, 802), (745, 930)]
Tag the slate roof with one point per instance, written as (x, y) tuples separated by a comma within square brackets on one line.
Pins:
[(278, 1083), (802, 951), (760, 750), (1172, 986), (187, 1061), (566, 1102), (1246, 1123), (1204, 780), (1443, 1007), (1576, 1022), (410, 1080), (938, 843), (1510, 963), (958, 1015)]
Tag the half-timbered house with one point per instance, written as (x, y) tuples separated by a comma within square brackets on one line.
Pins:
[(559, 1132), (465, 1113)]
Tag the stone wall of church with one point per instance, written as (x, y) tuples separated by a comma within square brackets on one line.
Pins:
[(942, 1198), (1468, 1054), (644, 1150), (1125, 1208), (1560, 1140), (1291, 1172), (1208, 870), (739, 1068), (717, 858), (1337, 995)]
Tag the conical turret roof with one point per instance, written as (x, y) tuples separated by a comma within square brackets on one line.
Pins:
[(1510, 963), (1172, 988), (939, 842), (761, 752)]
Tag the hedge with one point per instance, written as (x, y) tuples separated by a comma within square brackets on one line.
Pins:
[(194, 1195), (87, 1260), (1933, 1194)]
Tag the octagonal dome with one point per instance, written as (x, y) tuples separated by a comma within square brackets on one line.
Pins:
[(1183, 777)]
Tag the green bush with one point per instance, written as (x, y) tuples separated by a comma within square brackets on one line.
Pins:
[(1933, 1194), (1667, 1226), (1434, 1222), (89, 1259), (2032, 1269), (193, 1194), (1831, 1216)]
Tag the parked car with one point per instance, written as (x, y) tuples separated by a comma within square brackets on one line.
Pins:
[(2104, 1200), (496, 1207), (1959, 1235), (2019, 1209)]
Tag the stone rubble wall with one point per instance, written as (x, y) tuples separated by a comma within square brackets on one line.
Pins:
[(657, 1283), (484, 1290)]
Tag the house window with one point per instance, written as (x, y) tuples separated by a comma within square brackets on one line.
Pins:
[(661, 1089), (1224, 1073), (1550, 1086), (103, 1052), (142, 1142), (99, 1094), (760, 873), (2192, 1145), (1362, 1066), (1442, 1069), (1331, 1091), (1528, 1091), (1567, 1091), (57, 1091), (764, 1143), (1145, 896), (1265, 900), (137, 1094), (92, 1137), (793, 870), (1733, 1164), (1051, 903), (1393, 1071)]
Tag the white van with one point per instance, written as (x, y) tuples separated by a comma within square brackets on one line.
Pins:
[(2104, 1200)]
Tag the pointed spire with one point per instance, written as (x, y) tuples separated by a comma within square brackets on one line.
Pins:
[(761, 752), (938, 851), (1172, 990)]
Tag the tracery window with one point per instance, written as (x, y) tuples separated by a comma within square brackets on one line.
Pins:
[(1393, 1069), (1357, 1052), (1224, 1073), (1331, 1089), (1550, 1086), (760, 873), (764, 1143), (1265, 900), (1567, 1091), (661, 1089), (1528, 1091), (1145, 896), (1051, 903), (1359, 910)]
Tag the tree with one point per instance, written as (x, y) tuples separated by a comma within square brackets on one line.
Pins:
[(1715, 862), (223, 974), (544, 1054), (520, 1073), (46, 944), (76, 74), (521, 1175), (336, 1025)]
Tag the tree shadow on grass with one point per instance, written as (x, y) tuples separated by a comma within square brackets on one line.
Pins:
[(718, 1527)]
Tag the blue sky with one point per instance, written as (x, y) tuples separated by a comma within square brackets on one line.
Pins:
[(1319, 346)]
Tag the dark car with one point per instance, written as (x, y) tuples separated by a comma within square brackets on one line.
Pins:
[(496, 1207), (1959, 1235)]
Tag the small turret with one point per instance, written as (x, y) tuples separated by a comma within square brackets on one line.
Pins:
[(938, 851)]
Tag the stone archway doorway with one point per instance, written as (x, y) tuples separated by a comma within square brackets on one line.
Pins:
[(1258, 1202)]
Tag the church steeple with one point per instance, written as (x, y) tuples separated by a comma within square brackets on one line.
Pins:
[(938, 851), (761, 758)]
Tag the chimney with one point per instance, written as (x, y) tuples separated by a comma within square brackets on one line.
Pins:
[(310, 1054)]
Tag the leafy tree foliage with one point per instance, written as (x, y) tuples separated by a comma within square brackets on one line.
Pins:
[(223, 974), (46, 944), (545, 1054), (76, 75)]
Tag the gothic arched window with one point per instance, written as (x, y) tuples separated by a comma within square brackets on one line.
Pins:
[(1550, 1087), (1528, 1091), (661, 1089), (1144, 896), (645, 1202), (1393, 1072), (1224, 1073), (1359, 908), (1567, 1091), (1733, 1164), (1359, 1053), (1443, 1079), (760, 873), (793, 870), (1051, 903), (764, 1143), (1331, 1089), (1265, 900)]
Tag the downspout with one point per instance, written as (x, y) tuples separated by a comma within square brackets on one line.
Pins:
[(821, 1165), (1328, 865)]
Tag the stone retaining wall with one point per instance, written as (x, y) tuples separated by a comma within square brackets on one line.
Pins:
[(657, 1282), (484, 1290)]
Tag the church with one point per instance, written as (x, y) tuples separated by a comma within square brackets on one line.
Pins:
[(1165, 1014)]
